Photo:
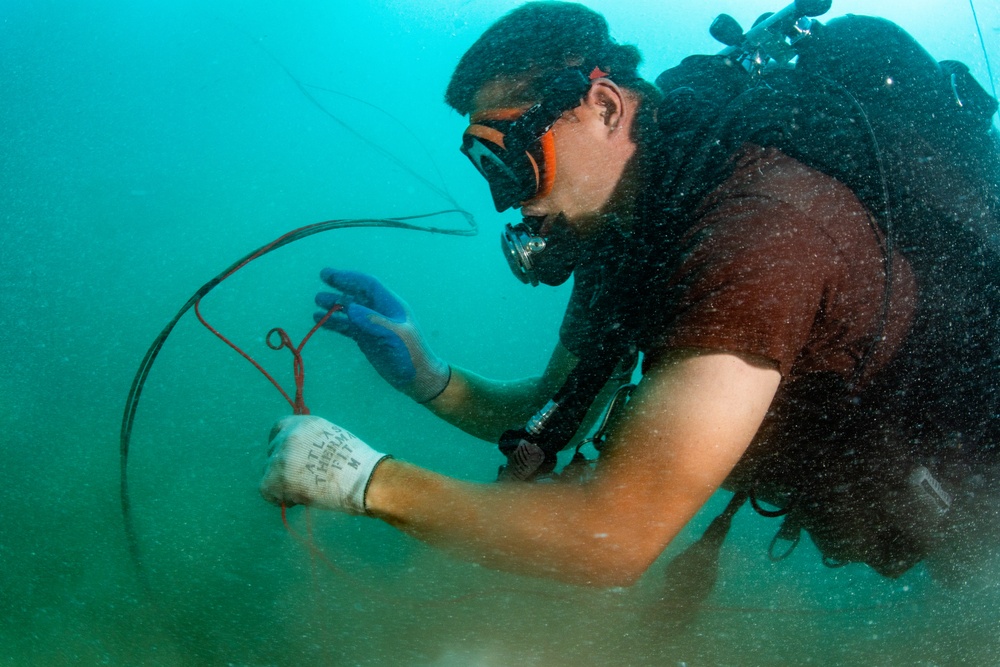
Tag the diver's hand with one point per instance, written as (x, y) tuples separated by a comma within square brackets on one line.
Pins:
[(386, 332), (313, 462)]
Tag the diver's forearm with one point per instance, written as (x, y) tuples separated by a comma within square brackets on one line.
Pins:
[(486, 408), (555, 531)]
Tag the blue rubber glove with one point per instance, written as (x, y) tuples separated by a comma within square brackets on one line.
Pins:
[(383, 327)]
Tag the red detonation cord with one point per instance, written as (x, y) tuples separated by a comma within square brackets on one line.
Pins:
[(298, 404), (298, 367), (299, 407)]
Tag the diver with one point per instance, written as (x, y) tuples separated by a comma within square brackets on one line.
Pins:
[(793, 345)]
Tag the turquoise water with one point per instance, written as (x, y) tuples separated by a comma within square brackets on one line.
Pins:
[(146, 146)]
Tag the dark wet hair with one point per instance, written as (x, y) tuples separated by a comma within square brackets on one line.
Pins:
[(534, 42)]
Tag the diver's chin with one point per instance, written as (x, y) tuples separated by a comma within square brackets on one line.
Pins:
[(530, 210)]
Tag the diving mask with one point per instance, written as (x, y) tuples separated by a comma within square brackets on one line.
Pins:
[(514, 150), (517, 163)]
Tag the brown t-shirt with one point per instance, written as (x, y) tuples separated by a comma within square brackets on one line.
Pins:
[(784, 264)]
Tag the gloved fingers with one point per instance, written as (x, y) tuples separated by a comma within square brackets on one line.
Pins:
[(327, 300), (272, 490), (338, 321), (366, 290), (271, 487), (279, 426), (274, 486), (354, 283), (355, 321)]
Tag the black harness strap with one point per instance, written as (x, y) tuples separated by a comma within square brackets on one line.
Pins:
[(531, 451)]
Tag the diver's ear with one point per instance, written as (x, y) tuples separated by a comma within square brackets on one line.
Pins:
[(610, 101)]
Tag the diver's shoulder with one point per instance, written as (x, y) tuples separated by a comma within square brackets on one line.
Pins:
[(770, 173)]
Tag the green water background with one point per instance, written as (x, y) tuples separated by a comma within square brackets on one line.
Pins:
[(144, 147)]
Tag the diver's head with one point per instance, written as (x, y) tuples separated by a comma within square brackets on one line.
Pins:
[(548, 91), (557, 110)]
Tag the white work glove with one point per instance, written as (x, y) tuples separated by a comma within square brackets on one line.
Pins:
[(313, 462)]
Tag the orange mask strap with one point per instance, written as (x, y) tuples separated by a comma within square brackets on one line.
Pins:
[(547, 177), (488, 133)]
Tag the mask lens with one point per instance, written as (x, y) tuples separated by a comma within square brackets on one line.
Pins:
[(513, 175)]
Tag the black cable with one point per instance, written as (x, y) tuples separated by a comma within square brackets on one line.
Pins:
[(884, 240), (982, 43), (132, 402), (135, 392), (440, 190)]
